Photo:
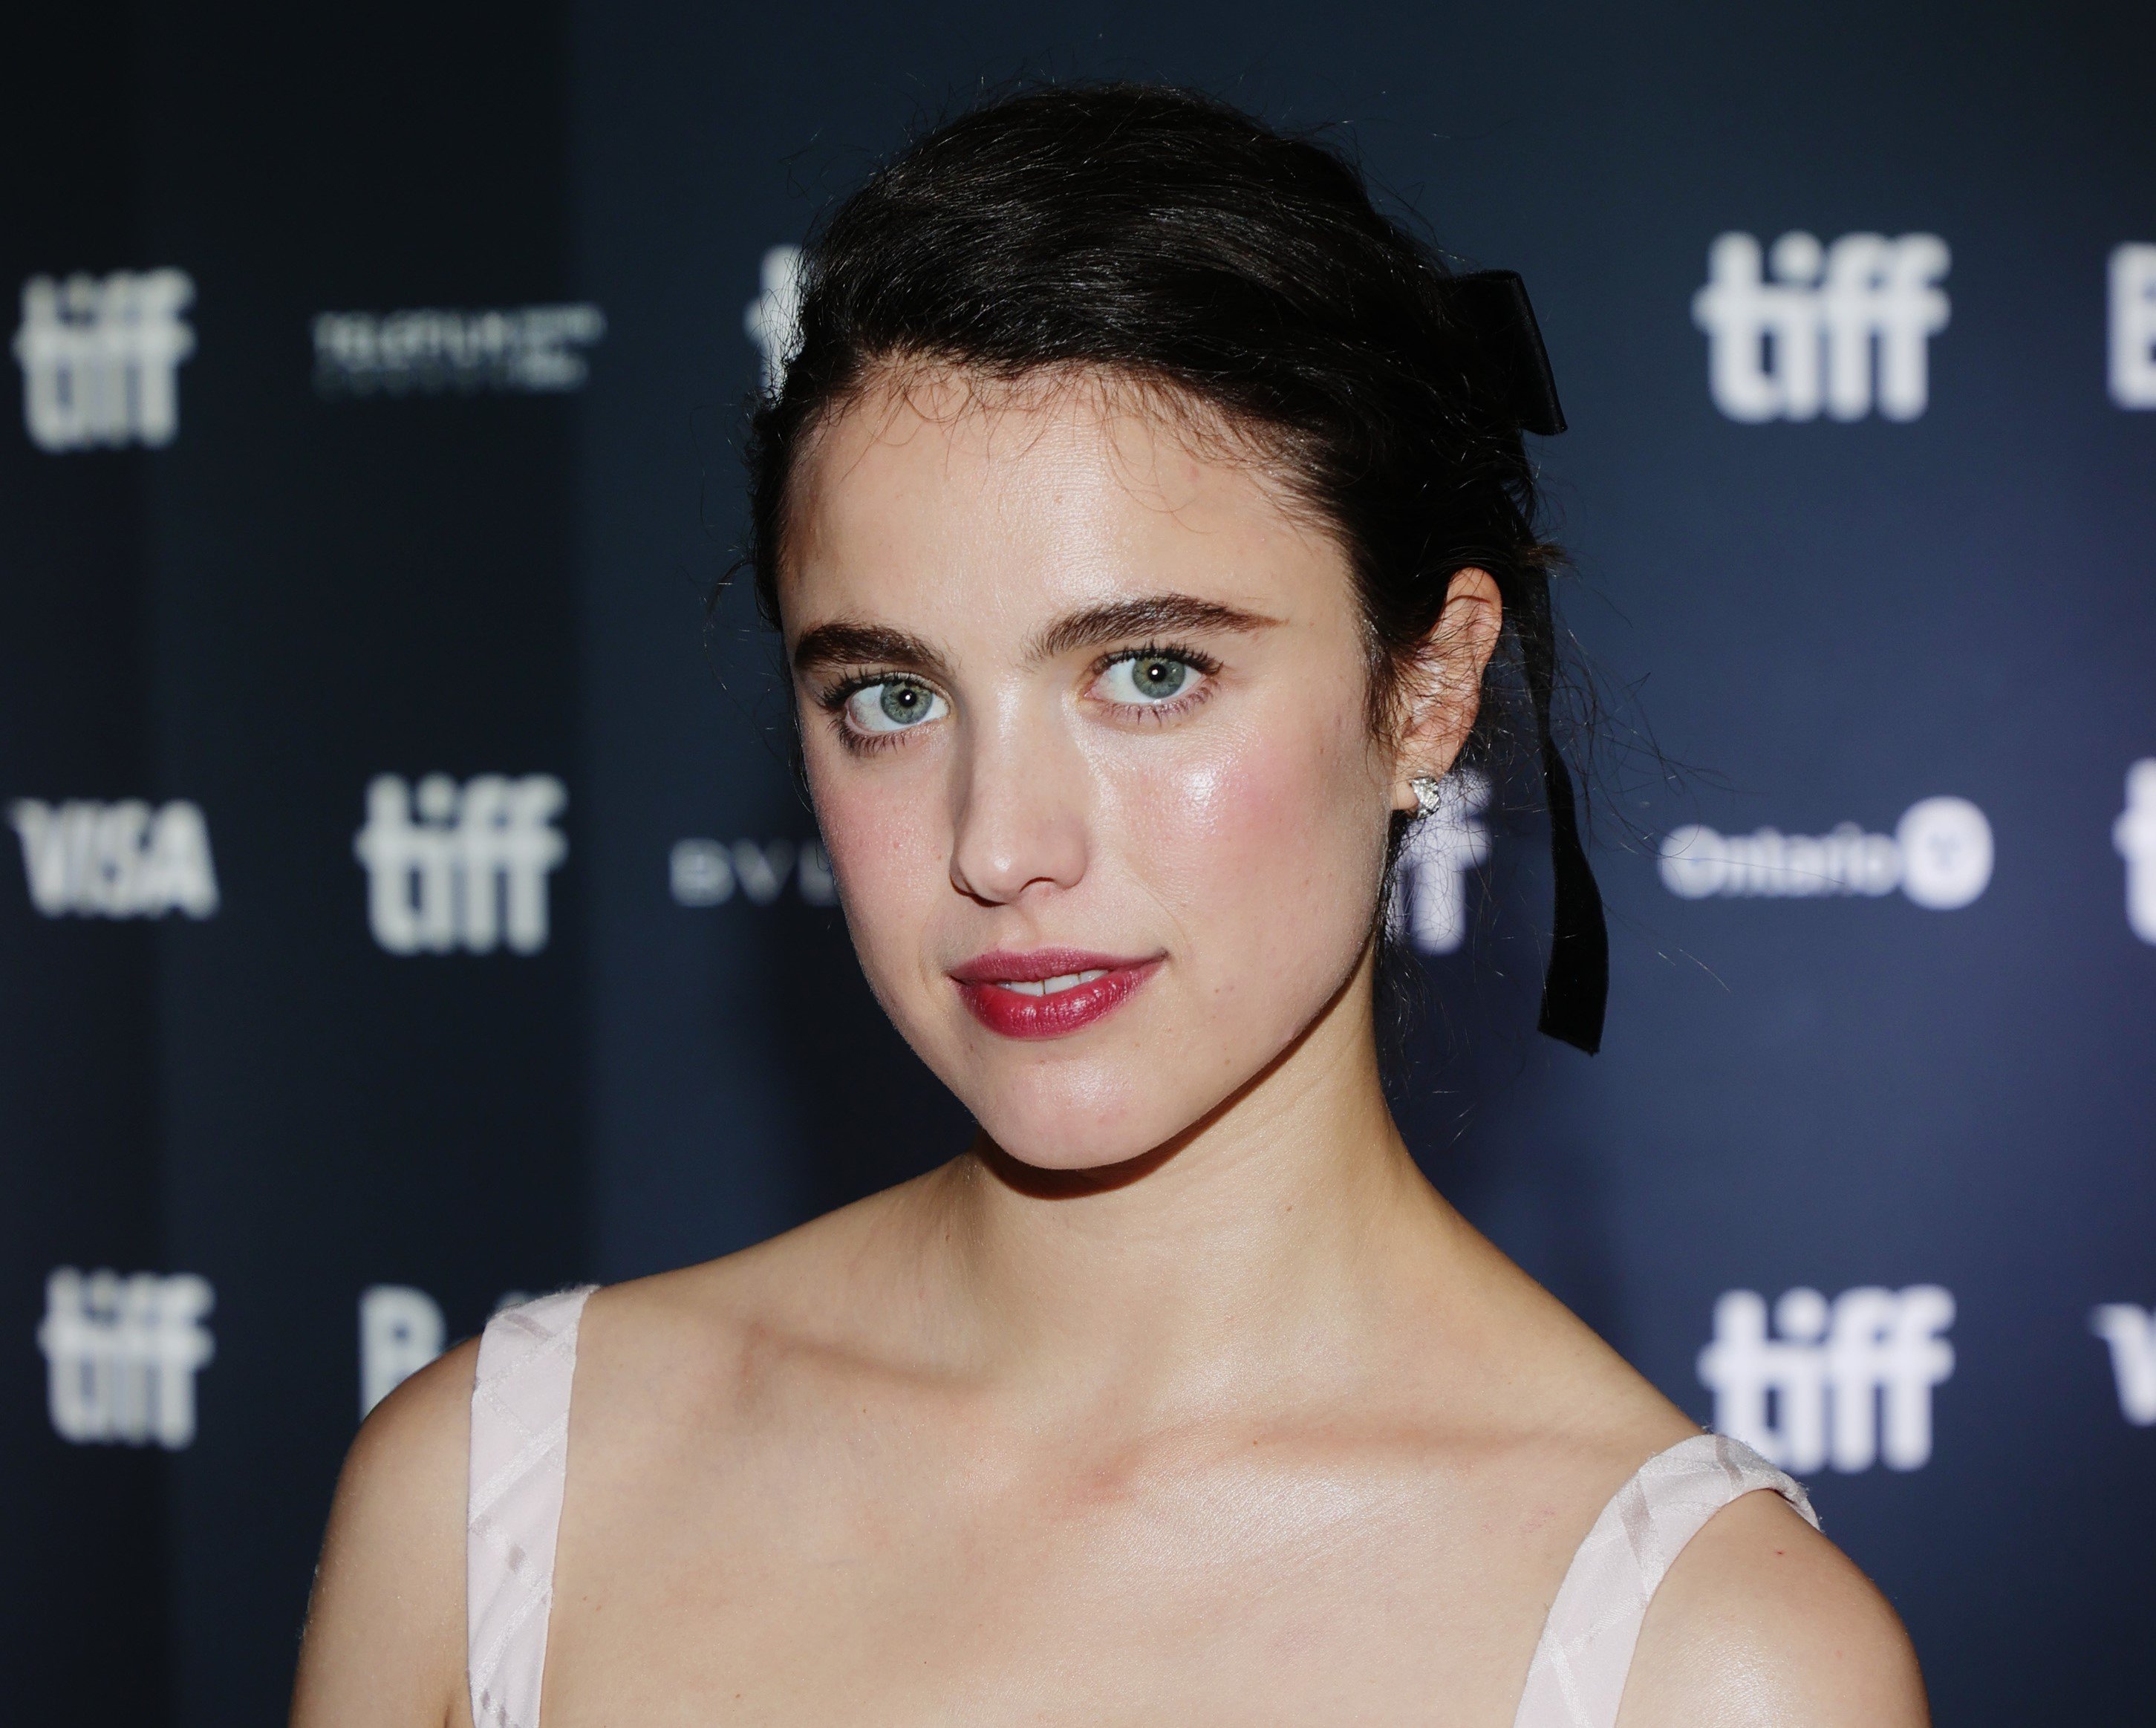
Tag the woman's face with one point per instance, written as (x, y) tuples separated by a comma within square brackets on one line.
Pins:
[(1085, 722)]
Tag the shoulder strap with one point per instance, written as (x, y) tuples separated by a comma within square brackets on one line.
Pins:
[(519, 1455), (1577, 1679)]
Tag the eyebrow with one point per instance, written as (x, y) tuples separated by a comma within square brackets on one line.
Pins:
[(846, 642), (843, 643), (1151, 616)]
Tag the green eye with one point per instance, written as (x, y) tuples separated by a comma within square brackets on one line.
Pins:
[(903, 704), (1146, 678), (895, 705)]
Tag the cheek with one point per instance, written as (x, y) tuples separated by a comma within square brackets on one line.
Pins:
[(1274, 829), (886, 852)]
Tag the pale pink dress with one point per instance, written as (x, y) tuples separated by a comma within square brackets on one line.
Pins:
[(519, 1464)]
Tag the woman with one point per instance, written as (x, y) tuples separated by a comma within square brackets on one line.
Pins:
[(1143, 515)]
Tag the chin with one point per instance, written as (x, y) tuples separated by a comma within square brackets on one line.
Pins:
[(1078, 1116)]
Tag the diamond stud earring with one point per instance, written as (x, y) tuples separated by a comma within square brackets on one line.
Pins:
[(1429, 795)]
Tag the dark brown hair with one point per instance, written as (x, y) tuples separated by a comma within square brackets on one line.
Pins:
[(1164, 238)]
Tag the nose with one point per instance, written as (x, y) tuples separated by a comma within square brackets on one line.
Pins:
[(1019, 820)]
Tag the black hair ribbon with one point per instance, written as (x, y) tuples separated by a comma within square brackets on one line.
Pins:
[(1576, 987), (1494, 305)]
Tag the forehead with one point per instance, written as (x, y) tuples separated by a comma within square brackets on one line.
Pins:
[(951, 498)]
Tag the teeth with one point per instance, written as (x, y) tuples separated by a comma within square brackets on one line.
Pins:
[(1050, 987)]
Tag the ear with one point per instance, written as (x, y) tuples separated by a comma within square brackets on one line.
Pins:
[(1443, 689)]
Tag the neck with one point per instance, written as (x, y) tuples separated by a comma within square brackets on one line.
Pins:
[(1257, 1239)]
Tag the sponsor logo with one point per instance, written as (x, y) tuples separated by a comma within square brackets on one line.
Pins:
[(710, 873), (401, 1330), (1847, 1383), (100, 358), (532, 350), (451, 867), (2134, 835), (772, 318), (2134, 326), (1844, 326), (122, 1355), (117, 860), (2131, 1333), (1939, 855), (1429, 895)]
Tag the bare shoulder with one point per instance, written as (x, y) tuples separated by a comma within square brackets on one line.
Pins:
[(825, 1287), (1763, 1623), (384, 1644)]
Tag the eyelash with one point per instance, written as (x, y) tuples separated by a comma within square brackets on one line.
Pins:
[(1158, 713), (833, 700)]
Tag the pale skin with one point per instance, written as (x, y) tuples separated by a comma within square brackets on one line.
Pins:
[(1182, 1397)]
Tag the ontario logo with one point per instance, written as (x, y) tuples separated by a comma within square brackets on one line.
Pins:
[(1939, 855)]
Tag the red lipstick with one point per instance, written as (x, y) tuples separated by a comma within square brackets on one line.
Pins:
[(1047, 992)]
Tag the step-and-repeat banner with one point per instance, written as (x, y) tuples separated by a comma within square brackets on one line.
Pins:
[(404, 901)]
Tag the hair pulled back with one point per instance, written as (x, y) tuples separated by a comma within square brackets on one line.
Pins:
[(1162, 235), (1163, 238)]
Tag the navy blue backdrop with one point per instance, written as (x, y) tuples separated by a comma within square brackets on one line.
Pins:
[(414, 905)]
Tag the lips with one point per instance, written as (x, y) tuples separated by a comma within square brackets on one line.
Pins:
[(1047, 992)]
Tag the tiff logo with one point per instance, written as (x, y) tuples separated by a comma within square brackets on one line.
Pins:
[(709, 873), (1843, 326), (100, 358), (1815, 1394), (122, 1355), (1939, 855), (2134, 326), (2134, 835), (772, 318), (118, 860), (451, 867), (1429, 900), (2131, 1333)]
